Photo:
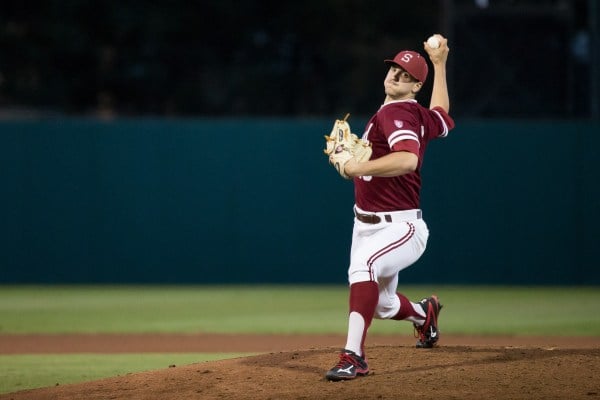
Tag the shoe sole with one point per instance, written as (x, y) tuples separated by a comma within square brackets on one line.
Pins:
[(336, 378)]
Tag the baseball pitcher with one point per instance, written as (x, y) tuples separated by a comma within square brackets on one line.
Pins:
[(389, 231)]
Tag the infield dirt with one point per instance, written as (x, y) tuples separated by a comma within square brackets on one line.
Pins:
[(293, 367)]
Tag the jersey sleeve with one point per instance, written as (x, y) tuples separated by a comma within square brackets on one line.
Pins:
[(443, 122), (402, 130)]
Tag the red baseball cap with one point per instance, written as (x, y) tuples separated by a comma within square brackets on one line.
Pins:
[(412, 62)]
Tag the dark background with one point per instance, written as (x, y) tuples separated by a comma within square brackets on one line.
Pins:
[(181, 142), (509, 58)]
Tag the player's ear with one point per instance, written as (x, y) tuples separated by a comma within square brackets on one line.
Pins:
[(416, 87)]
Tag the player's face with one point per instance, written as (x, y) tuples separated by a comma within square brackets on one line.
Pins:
[(399, 84)]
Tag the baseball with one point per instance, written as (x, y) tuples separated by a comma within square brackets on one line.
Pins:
[(433, 42)]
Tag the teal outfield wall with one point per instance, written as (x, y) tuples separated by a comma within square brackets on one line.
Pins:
[(254, 201)]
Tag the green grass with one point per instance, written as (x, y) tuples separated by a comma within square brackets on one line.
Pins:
[(475, 310), (184, 309), (286, 309), (545, 311), (30, 371)]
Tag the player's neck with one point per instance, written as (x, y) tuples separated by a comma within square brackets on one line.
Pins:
[(389, 99)]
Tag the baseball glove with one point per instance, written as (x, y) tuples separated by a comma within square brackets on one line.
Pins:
[(342, 145)]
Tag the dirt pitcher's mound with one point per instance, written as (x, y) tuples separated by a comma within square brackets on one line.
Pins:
[(397, 372)]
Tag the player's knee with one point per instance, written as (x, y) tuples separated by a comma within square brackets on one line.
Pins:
[(385, 311), (356, 276)]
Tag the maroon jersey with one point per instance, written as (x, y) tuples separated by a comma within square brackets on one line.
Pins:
[(402, 125)]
